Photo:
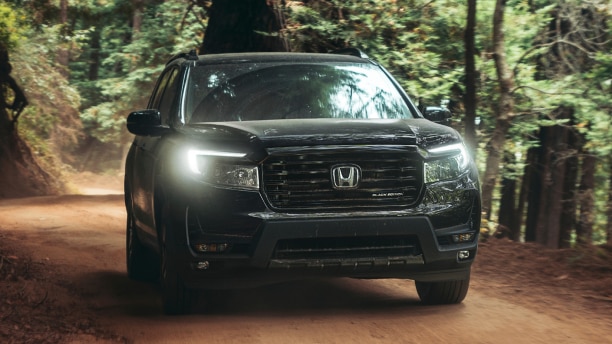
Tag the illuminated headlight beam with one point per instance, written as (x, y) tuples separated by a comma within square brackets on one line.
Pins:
[(224, 172), (193, 154), (447, 166)]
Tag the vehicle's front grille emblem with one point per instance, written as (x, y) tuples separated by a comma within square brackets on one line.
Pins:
[(346, 176)]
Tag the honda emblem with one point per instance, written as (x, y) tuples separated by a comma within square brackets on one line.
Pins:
[(345, 176)]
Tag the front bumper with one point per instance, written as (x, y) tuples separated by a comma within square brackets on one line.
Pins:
[(265, 247)]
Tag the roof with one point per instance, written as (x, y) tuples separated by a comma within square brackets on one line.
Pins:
[(253, 57)]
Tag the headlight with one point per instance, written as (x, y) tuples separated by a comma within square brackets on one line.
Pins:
[(446, 162), (215, 167)]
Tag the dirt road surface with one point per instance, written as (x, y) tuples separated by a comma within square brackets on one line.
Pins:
[(76, 291)]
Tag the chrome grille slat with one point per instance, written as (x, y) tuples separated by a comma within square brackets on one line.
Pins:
[(300, 179)]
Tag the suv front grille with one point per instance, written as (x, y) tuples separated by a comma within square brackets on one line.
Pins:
[(301, 178)]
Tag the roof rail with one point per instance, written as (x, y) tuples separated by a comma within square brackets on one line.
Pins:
[(191, 55), (351, 51)]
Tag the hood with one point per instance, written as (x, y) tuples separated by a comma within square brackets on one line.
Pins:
[(311, 132)]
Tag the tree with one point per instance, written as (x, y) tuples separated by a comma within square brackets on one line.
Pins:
[(609, 210), (129, 41), (63, 54), (575, 31), (557, 95), (469, 98), (242, 26), (586, 199), (419, 41), (505, 109), (509, 216)]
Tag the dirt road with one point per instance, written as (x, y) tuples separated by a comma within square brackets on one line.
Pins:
[(76, 244)]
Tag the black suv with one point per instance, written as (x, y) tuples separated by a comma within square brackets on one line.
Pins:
[(257, 168)]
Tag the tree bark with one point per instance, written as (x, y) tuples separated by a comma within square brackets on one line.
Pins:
[(556, 216), (586, 198), (469, 98), (609, 208), (545, 179), (63, 55), (550, 222), (505, 111), (138, 8), (568, 201), (507, 206), (530, 189), (245, 26), (94, 55)]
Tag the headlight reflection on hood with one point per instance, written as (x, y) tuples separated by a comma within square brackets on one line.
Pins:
[(217, 167), (446, 162)]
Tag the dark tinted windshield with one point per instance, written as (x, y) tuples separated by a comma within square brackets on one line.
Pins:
[(259, 92)]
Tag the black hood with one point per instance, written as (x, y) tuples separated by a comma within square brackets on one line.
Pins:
[(311, 132)]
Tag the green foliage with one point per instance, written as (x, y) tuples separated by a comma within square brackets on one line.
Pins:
[(12, 25), (536, 97), (50, 123), (102, 122), (52, 112), (598, 110), (130, 66), (547, 77), (419, 41)]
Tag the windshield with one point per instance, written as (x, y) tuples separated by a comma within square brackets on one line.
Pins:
[(259, 92)]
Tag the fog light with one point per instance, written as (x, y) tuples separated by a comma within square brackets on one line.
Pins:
[(464, 237), (202, 248), (202, 265), (463, 255)]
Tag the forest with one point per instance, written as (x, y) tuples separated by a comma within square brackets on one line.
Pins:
[(529, 83)]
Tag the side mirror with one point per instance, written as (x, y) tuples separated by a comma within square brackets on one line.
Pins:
[(437, 114), (146, 123)]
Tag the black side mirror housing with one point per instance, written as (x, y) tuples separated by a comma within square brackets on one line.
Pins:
[(438, 114), (146, 123)]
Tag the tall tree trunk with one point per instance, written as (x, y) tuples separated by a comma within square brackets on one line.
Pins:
[(586, 198), (530, 190), (507, 205), (557, 207), (245, 26), (609, 208), (469, 98), (63, 54), (551, 222), (94, 55), (138, 8), (505, 112), (568, 201), (543, 198), (126, 137)]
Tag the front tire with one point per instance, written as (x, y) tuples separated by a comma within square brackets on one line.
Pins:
[(141, 262), (176, 297), (443, 293)]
